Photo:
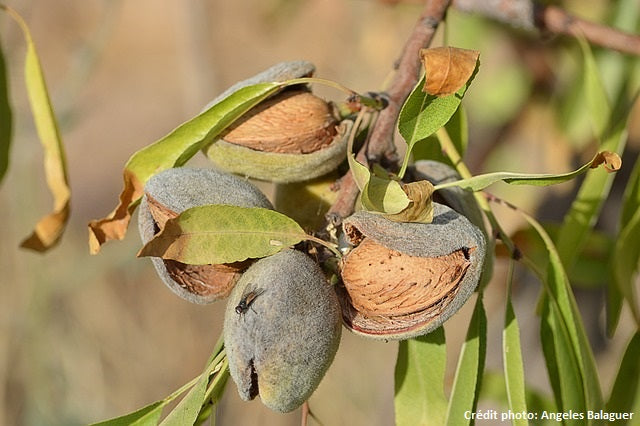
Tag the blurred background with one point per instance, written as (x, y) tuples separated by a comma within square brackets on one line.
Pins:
[(84, 338)]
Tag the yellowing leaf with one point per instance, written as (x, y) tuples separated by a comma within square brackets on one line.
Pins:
[(173, 150), (382, 195), (447, 69), (479, 182), (49, 229), (216, 233)]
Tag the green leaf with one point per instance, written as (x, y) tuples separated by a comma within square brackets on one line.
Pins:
[(494, 388), (512, 357), (610, 129), (631, 197), (146, 416), (457, 129), (480, 182), (419, 380), (613, 309), (468, 379), (423, 114), (6, 118), (626, 254), (567, 350), (626, 389), (188, 409), (625, 260), (49, 228), (214, 234), (171, 151), (382, 195), (562, 365)]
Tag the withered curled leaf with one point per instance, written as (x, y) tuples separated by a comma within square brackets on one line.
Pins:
[(447, 69), (609, 160)]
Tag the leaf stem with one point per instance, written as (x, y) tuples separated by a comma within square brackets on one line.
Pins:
[(328, 245)]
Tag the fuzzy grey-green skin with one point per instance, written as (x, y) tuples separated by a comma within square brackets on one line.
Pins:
[(457, 198), (449, 232), (181, 188), (289, 333), (281, 71), (281, 167), (464, 202)]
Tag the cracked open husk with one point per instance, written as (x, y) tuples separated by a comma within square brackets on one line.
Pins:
[(292, 136), (171, 192), (402, 280)]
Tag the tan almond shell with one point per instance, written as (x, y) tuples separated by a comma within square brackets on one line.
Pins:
[(181, 188), (293, 122), (281, 167), (408, 278)]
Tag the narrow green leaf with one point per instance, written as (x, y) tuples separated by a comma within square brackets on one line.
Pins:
[(480, 182), (188, 409), (615, 301), (494, 388), (49, 228), (361, 173), (6, 117), (150, 415), (214, 234), (562, 365), (512, 357), (564, 324), (626, 254), (611, 131), (186, 140), (626, 389), (423, 114), (631, 197), (457, 129), (625, 261), (468, 379), (419, 380), (598, 103), (171, 151), (146, 416)]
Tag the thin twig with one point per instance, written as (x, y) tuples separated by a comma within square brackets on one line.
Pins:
[(381, 146), (529, 14)]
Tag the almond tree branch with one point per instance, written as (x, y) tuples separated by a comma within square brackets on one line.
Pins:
[(381, 146), (531, 15)]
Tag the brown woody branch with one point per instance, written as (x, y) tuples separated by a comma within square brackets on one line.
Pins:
[(381, 145), (529, 14)]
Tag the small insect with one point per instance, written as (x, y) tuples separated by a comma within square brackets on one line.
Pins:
[(247, 299)]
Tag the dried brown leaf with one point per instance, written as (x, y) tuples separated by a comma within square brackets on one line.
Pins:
[(609, 160), (420, 209), (114, 226), (447, 69)]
